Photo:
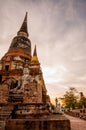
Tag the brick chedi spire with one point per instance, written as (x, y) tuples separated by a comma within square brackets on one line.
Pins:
[(23, 30), (34, 58), (18, 55), (35, 52), (21, 41), (34, 65)]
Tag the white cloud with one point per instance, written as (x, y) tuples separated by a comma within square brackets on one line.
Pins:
[(54, 74)]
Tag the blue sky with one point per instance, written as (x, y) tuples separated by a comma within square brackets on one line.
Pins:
[(58, 28)]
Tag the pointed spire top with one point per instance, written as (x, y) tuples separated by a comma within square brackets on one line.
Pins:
[(23, 30), (35, 52), (25, 19), (34, 58)]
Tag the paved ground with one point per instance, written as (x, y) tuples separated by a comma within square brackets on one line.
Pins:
[(76, 123)]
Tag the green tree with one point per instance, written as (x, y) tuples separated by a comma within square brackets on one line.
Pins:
[(82, 101), (69, 99)]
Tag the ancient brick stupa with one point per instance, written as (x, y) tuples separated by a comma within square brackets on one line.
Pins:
[(23, 95), (22, 89)]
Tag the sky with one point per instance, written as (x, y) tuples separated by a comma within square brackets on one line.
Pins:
[(58, 28)]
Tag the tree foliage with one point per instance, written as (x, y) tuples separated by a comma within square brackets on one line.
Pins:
[(69, 99), (82, 101)]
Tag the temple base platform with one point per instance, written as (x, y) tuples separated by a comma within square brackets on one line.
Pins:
[(50, 122)]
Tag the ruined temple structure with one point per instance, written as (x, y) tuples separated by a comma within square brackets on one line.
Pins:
[(24, 103), (22, 88)]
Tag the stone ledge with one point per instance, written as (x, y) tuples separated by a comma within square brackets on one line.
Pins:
[(53, 122)]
